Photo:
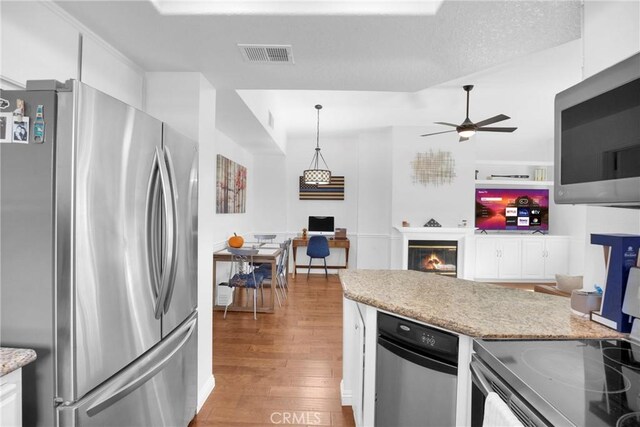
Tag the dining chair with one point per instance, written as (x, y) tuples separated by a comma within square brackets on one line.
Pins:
[(243, 275), (284, 284), (264, 238), (318, 247), (281, 268)]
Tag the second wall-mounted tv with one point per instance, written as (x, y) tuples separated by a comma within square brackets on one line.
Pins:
[(512, 209)]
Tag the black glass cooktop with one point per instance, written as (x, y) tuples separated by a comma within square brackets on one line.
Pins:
[(584, 382)]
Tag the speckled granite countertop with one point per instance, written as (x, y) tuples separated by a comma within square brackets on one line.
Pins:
[(479, 310), (14, 358)]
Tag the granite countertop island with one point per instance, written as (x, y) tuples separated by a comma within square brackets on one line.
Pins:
[(14, 358), (479, 310)]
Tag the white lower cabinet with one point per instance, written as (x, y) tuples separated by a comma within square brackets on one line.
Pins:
[(11, 399), (521, 258), (498, 258), (353, 362), (544, 258), (358, 367)]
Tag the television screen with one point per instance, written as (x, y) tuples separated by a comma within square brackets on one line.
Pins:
[(322, 224), (512, 209)]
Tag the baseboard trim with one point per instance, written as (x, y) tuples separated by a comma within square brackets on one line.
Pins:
[(205, 391), (346, 396)]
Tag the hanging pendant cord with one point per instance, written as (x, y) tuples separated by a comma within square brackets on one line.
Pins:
[(318, 155)]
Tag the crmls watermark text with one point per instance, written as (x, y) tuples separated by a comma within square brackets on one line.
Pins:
[(285, 417)]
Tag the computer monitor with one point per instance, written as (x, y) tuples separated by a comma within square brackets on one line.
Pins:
[(321, 225)]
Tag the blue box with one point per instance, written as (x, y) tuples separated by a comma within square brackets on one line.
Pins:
[(621, 253)]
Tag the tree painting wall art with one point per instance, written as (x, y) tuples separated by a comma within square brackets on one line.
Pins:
[(231, 186)]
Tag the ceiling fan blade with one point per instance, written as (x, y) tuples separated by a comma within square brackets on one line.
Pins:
[(445, 123), (438, 133), (494, 119), (485, 129), (463, 139)]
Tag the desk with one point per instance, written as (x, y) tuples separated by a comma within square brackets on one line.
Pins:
[(333, 243), (267, 253)]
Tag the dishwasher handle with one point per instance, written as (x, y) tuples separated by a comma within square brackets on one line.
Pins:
[(487, 382), (420, 359)]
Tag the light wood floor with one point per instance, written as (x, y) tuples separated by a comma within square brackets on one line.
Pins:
[(284, 368)]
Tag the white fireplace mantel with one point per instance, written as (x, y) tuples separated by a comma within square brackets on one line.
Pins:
[(463, 235)]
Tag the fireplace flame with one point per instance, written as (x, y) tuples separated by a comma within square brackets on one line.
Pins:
[(431, 262)]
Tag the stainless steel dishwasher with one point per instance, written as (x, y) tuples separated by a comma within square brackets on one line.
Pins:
[(416, 374)]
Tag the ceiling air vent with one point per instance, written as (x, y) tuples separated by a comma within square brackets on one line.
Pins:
[(266, 53)]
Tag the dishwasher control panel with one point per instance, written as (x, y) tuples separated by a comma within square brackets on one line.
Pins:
[(421, 337)]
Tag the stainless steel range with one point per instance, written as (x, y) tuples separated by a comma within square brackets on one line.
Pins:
[(562, 383)]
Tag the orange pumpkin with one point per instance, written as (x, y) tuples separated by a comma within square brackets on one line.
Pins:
[(236, 241)]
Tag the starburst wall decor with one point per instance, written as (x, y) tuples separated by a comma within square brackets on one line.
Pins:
[(433, 168)]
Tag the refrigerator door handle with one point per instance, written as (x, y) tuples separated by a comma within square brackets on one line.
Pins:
[(170, 223), (176, 238), (151, 228), (128, 386)]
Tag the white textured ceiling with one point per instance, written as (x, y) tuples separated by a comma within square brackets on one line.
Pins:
[(368, 70), (346, 52)]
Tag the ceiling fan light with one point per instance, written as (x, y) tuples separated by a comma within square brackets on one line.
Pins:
[(467, 133)]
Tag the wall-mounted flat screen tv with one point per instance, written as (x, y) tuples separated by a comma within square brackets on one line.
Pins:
[(512, 209)]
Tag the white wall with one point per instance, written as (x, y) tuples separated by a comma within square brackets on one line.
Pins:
[(175, 98), (271, 199), (39, 40), (47, 33), (611, 33), (261, 103), (417, 203), (342, 159), (374, 199)]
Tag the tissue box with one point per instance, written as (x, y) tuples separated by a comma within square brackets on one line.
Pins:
[(341, 233), (585, 302)]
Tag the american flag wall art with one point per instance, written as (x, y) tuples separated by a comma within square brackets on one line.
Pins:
[(332, 191)]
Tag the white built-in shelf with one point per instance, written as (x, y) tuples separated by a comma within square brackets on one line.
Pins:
[(486, 168), (514, 182), (435, 230), (514, 163)]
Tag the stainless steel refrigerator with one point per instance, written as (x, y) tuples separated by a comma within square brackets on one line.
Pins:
[(98, 260)]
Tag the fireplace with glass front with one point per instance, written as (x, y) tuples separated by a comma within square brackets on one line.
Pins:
[(434, 256)]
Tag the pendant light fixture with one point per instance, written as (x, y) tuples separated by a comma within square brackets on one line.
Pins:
[(314, 175)]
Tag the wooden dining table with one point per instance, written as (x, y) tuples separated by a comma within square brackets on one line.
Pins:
[(267, 253)]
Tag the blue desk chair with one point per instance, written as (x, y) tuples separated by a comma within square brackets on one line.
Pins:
[(318, 247)]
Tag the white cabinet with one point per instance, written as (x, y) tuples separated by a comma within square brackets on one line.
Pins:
[(353, 331), (543, 258), (498, 257), (521, 258), (358, 367), (11, 399)]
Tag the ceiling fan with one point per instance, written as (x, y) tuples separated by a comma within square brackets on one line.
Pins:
[(467, 128)]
